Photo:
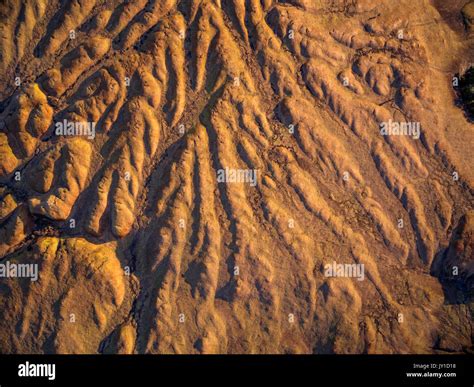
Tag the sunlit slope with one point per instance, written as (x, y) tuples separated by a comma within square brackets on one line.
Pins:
[(182, 173)]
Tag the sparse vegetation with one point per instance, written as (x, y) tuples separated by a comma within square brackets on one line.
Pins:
[(466, 91)]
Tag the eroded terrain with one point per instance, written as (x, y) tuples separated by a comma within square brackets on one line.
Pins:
[(142, 248)]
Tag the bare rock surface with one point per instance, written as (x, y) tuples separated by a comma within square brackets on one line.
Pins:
[(184, 174)]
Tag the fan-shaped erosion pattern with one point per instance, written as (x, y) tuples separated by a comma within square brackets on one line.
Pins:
[(230, 176)]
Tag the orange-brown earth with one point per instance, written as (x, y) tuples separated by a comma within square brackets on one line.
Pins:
[(141, 249)]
